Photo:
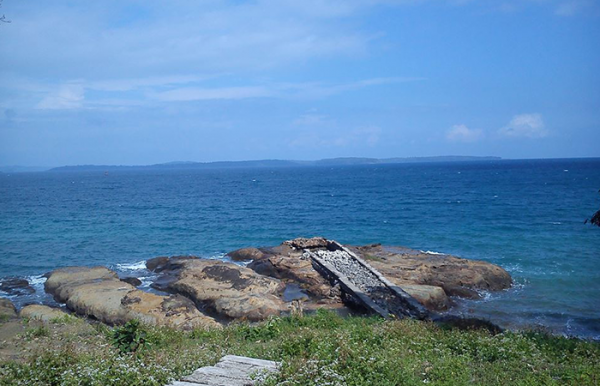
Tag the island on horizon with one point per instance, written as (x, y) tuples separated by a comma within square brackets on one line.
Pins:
[(274, 163)]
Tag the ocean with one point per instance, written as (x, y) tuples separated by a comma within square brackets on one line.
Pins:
[(524, 215)]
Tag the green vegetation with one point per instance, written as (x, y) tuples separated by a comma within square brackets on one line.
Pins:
[(321, 349), (130, 338), (372, 257), (36, 332), (66, 319)]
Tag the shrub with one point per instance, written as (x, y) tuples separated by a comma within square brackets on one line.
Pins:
[(130, 338)]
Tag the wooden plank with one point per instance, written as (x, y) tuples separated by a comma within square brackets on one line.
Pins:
[(232, 370), (250, 361), (218, 377)]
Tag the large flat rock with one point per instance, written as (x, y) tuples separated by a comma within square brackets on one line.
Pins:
[(456, 276), (41, 312), (226, 289), (7, 309), (430, 278), (97, 292)]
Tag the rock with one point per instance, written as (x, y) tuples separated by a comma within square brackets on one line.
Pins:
[(458, 277), (156, 262), (134, 281), (7, 309), (16, 286), (282, 264), (61, 280), (98, 292), (41, 312), (303, 243), (432, 297), (429, 278), (159, 264), (245, 254), (229, 290)]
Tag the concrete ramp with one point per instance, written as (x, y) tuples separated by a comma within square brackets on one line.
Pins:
[(363, 284)]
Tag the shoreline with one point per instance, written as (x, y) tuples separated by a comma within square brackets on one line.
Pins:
[(461, 307)]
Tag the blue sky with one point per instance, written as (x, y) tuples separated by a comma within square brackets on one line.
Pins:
[(141, 82)]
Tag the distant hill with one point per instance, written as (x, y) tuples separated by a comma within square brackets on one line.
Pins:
[(22, 169), (348, 161)]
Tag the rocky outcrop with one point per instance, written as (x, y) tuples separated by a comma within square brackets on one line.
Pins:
[(301, 243), (230, 291), (41, 312), (97, 292), (16, 286), (245, 254), (456, 276), (7, 309), (430, 278), (286, 263), (134, 281)]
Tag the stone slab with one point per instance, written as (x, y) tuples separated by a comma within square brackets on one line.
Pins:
[(232, 370)]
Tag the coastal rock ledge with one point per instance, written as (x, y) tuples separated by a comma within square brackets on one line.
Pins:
[(98, 293), (431, 278), (275, 281)]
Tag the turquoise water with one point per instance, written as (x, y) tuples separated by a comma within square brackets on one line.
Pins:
[(526, 216)]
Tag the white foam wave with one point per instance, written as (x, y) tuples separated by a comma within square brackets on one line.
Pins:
[(7, 295), (432, 253), (36, 280), (216, 256), (556, 223), (515, 267), (132, 267), (484, 295)]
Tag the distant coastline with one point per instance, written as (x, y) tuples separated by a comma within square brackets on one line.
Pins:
[(346, 161)]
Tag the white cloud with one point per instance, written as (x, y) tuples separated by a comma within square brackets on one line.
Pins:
[(127, 93), (67, 96), (136, 83), (526, 126), (461, 133), (196, 93), (311, 119), (572, 7)]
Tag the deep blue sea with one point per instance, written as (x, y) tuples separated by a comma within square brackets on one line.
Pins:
[(526, 216)]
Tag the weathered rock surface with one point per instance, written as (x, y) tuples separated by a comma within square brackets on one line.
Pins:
[(456, 276), (41, 312), (429, 278), (134, 281), (245, 254), (432, 297), (301, 243), (159, 264), (286, 263), (7, 309), (16, 286), (229, 290), (98, 292), (154, 263)]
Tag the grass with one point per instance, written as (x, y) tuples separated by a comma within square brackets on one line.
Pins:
[(321, 349), (372, 257)]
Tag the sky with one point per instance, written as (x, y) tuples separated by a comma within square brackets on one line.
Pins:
[(144, 82)]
